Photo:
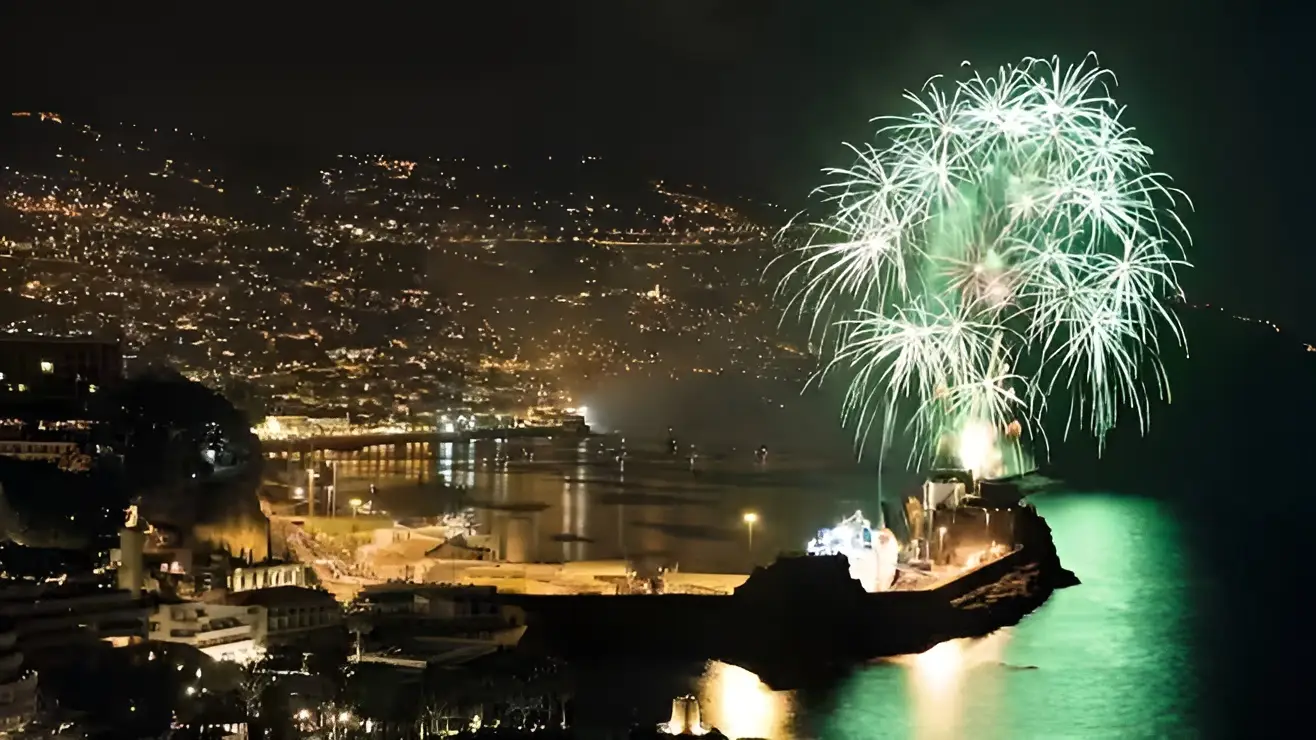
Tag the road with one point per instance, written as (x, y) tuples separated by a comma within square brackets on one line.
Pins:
[(339, 577)]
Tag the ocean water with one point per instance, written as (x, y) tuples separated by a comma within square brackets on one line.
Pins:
[(1191, 620), (1125, 655), (1112, 658)]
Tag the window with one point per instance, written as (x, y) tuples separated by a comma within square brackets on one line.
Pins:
[(47, 367)]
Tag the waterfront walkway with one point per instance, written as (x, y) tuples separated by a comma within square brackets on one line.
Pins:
[(351, 442)]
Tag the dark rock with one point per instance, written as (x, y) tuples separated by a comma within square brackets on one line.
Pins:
[(802, 617)]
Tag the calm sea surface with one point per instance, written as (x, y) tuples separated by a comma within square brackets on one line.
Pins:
[(1185, 625)]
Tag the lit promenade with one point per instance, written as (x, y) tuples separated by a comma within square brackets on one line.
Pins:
[(357, 440)]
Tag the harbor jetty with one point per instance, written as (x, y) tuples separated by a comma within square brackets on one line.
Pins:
[(808, 616)]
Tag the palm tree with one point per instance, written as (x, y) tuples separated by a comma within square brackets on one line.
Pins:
[(251, 688), (359, 626), (432, 709)]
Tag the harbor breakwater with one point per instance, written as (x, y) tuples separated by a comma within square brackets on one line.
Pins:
[(801, 618)]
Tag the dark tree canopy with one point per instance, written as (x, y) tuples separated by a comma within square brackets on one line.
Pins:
[(52, 521), (178, 448), (171, 430), (187, 457)]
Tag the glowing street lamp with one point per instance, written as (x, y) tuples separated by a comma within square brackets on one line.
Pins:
[(310, 491), (750, 519), (355, 504)]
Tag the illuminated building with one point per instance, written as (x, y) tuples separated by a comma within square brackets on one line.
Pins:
[(293, 612), (129, 556), (286, 427), (223, 632), (253, 577), (686, 718), (43, 450), (872, 555), (56, 368)]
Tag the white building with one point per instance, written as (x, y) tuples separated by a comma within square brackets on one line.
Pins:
[(24, 449), (250, 578), (68, 455), (223, 632)]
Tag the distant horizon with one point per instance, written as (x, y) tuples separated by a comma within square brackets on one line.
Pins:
[(250, 151)]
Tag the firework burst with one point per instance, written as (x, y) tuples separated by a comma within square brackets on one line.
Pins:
[(1011, 221)]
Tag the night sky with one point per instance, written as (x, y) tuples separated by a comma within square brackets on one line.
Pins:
[(753, 95)]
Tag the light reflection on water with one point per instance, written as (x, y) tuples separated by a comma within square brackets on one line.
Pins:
[(574, 501), (936, 680), (738, 704), (1114, 657), (1107, 659), (931, 691)]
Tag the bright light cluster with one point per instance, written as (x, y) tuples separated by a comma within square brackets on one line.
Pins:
[(1006, 240), (870, 554), (851, 535)]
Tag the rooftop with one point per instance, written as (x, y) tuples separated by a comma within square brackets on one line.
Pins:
[(281, 596), (407, 591)]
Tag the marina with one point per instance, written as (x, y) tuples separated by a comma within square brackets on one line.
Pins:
[(970, 557), (569, 518)]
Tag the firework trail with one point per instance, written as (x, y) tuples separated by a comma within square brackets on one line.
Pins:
[(1006, 241)]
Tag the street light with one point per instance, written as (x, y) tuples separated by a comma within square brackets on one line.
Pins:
[(355, 504), (331, 493), (310, 490), (750, 519)]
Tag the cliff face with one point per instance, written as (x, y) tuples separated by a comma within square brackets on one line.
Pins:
[(1035, 535)]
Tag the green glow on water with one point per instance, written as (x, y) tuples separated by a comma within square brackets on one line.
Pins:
[(1111, 655)]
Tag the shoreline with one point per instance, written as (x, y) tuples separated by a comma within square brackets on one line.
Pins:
[(801, 617)]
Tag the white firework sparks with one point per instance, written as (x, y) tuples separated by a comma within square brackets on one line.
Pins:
[(1010, 220)]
